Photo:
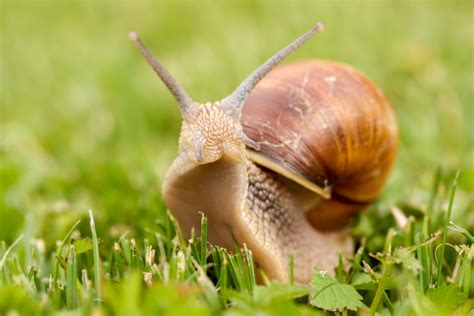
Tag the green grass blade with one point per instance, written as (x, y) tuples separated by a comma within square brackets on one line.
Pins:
[(386, 269), (466, 271), (195, 251), (117, 254), (235, 269), (8, 251), (445, 228), (175, 226), (173, 265), (340, 269), (133, 254), (466, 234), (434, 194), (356, 263), (85, 281), (127, 252), (425, 260), (7, 277), (292, 269), (216, 260), (223, 274), (250, 268), (71, 273), (203, 256), (95, 249), (60, 252)]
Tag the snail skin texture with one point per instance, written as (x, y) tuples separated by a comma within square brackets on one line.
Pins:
[(283, 165)]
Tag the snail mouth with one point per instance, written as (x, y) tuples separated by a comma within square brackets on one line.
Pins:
[(203, 156)]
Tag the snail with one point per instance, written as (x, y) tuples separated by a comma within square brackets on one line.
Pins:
[(282, 163)]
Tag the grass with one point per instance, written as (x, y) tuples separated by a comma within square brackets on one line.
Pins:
[(196, 276), (86, 125)]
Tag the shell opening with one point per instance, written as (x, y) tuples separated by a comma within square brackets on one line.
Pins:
[(272, 165)]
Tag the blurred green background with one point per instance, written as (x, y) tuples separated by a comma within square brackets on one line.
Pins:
[(85, 123)]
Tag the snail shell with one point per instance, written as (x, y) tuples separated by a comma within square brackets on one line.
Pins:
[(329, 128)]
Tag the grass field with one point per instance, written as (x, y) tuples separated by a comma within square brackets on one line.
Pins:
[(85, 124)]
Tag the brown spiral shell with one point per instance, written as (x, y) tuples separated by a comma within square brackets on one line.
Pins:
[(328, 123)]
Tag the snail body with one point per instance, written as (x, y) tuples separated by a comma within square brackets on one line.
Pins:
[(281, 166)]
